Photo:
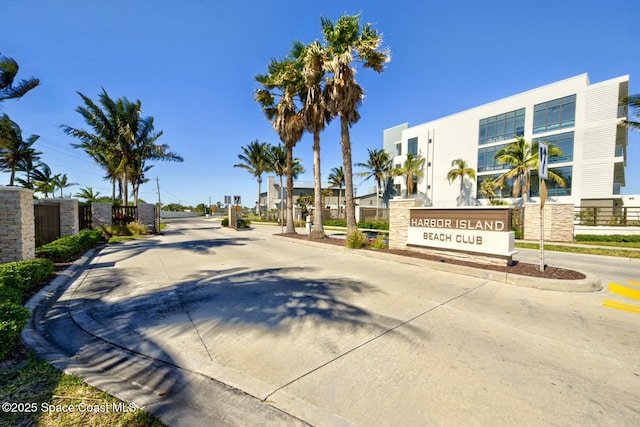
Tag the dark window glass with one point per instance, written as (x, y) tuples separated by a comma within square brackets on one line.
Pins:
[(413, 146), (501, 127), (556, 114), (562, 140)]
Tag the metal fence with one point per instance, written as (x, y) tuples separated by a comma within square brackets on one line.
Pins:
[(85, 217), (373, 214), (47, 222), (620, 216)]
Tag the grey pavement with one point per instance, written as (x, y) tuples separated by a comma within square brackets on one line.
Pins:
[(209, 326)]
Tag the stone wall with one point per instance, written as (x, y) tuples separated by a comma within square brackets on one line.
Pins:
[(69, 220), (558, 222), (17, 225), (101, 214), (399, 222)]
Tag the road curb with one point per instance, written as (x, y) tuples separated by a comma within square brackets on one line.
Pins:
[(589, 284)]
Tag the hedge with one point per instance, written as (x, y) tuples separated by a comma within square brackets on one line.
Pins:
[(607, 238), (67, 247), (13, 317), (24, 275)]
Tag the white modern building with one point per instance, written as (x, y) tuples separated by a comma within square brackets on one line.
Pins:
[(581, 118)]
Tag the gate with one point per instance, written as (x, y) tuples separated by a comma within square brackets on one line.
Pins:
[(123, 215), (84, 217), (47, 222)]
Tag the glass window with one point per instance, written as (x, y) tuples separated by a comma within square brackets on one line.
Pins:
[(564, 141), (501, 127), (413, 146), (487, 161), (553, 189), (399, 149), (556, 114)]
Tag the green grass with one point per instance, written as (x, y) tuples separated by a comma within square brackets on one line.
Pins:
[(34, 382), (580, 250)]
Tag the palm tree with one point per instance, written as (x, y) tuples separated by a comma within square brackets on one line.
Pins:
[(460, 170), (43, 180), (88, 194), (347, 43), (284, 77), (411, 169), (522, 157), (278, 163), (256, 161), (61, 181), (316, 116), (378, 167), (13, 149), (336, 179), (8, 72), (633, 101), (122, 140), (488, 188)]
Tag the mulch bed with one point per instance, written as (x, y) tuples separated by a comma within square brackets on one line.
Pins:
[(521, 268)]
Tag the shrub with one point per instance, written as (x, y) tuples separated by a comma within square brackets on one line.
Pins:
[(373, 225), (66, 247), (137, 229), (607, 238), (356, 240), (379, 243), (24, 275), (225, 222), (13, 317)]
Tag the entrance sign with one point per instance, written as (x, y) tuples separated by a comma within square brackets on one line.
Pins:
[(479, 230)]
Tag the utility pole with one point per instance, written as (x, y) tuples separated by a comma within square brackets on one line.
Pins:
[(158, 186)]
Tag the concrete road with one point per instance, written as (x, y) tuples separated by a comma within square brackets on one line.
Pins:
[(205, 325)]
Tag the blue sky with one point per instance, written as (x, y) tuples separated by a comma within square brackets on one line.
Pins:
[(192, 64)]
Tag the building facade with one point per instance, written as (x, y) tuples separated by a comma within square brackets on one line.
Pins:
[(581, 118)]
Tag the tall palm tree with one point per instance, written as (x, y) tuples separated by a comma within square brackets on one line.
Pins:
[(278, 163), (378, 167), (283, 80), (8, 72), (121, 142), (347, 44), (13, 149), (522, 156), (411, 168), (633, 101), (336, 179), (256, 161), (316, 116), (460, 170)]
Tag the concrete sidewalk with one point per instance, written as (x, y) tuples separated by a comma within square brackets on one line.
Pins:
[(208, 326)]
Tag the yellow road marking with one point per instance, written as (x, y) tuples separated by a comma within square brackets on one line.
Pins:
[(621, 306), (624, 291), (632, 283)]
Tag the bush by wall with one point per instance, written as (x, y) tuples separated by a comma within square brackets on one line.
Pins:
[(367, 225), (22, 276), (67, 247)]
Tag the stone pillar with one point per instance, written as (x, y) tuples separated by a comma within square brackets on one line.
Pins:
[(558, 222), (69, 219), (101, 215), (233, 217), (399, 221), (17, 225), (146, 216)]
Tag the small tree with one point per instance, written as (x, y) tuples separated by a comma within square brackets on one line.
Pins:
[(411, 169)]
